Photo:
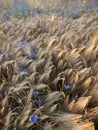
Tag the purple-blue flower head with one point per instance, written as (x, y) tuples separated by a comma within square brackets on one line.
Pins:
[(29, 39), (38, 103), (67, 86), (35, 94), (33, 118), (43, 30), (75, 15), (24, 43), (23, 70), (9, 55), (3, 21), (7, 16), (32, 53), (32, 49), (17, 41), (36, 11), (21, 42), (1, 52), (32, 56)]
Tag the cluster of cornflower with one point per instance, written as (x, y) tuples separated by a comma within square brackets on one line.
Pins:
[(24, 44), (36, 96), (32, 54), (33, 118), (32, 50)]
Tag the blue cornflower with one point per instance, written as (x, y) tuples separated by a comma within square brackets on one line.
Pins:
[(32, 49), (21, 42), (35, 94), (29, 39), (24, 42), (7, 16), (43, 30), (9, 55), (32, 53), (75, 15), (17, 41), (23, 70), (31, 56), (33, 118), (36, 11), (67, 86), (3, 21), (38, 103), (1, 52)]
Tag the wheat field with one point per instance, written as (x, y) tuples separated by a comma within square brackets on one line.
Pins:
[(49, 70)]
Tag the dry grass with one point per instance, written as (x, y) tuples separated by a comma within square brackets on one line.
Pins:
[(65, 53)]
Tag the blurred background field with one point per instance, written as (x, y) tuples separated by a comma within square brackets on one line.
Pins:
[(19, 8)]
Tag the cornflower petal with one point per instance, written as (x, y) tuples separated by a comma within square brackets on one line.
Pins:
[(1, 52), (35, 94), (67, 86), (23, 70), (38, 103), (33, 118)]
